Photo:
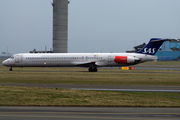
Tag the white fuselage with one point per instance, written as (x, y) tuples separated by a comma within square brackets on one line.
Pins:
[(76, 59)]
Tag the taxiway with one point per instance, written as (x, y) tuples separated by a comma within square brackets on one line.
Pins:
[(132, 88), (88, 113)]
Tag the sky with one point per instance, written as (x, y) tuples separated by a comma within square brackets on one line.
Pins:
[(93, 25)]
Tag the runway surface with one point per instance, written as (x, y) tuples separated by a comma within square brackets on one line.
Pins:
[(158, 67), (88, 113), (133, 88)]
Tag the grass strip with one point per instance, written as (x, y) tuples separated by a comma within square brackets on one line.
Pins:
[(31, 96), (81, 76)]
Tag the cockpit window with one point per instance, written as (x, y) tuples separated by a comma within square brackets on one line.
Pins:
[(12, 57)]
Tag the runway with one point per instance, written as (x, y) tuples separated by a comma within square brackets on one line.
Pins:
[(132, 88), (88, 113)]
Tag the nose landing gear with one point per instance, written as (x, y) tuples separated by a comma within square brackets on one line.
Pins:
[(10, 69), (92, 69)]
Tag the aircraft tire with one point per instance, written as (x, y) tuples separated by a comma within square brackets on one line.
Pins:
[(10, 69), (90, 69), (95, 69)]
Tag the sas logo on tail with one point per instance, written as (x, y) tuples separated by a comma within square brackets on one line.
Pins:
[(149, 50)]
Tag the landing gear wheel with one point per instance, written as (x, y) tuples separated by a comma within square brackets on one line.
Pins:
[(95, 69), (92, 69), (10, 69)]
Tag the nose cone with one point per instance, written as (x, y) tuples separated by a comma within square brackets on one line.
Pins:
[(5, 63)]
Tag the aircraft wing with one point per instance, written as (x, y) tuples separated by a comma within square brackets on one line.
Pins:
[(85, 64)]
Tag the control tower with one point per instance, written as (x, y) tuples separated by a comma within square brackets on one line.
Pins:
[(60, 26)]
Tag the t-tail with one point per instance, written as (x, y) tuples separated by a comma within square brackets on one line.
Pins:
[(153, 46)]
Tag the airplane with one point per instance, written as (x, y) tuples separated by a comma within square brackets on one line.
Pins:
[(89, 60)]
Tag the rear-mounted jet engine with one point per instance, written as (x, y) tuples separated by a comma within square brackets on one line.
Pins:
[(127, 59)]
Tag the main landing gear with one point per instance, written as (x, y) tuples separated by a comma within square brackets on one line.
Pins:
[(10, 69), (92, 69)]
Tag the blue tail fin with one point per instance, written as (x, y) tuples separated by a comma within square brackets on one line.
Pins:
[(152, 47)]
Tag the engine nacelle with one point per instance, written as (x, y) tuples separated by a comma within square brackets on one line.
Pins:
[(126, 59)]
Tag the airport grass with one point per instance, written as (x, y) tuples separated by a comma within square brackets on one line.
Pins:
[(32, 96), (82, 76)]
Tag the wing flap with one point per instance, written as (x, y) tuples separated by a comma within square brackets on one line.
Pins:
[(85, 64)]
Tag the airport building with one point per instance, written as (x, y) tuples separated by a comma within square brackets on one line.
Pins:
[(169, 51), (5, 55)]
